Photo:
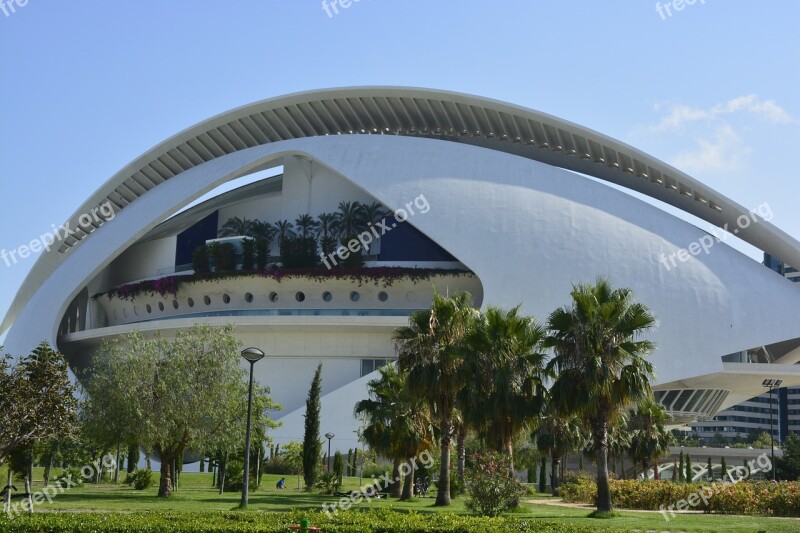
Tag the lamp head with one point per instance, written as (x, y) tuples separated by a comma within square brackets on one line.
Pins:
[(253, 355), (329, 435)]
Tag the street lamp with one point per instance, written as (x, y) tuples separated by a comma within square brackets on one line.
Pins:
[(252, 356), (772, 384), (329, 436)]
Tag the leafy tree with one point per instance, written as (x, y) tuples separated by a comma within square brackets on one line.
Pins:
[(724, 468), (787, 467), (312, 445), (431, 348), (649, 438), (235, 227), (183, 393), (762, 440), (38, 401), (681, 469), (599, 363)]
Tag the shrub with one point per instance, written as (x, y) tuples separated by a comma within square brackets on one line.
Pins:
[(73, 475), (492, 488), (265, 522), (140, 479), (234, 476), (248, 253), (745, 497), (328, 482), (200, 259), (224, 257)]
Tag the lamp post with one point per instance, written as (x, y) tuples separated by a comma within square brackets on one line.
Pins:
[(772, 384), (329, 436), (252, 356)]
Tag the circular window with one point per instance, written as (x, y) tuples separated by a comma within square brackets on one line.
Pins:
[(190, 301), (411, 296), (149, 309), (327, 296), (300, 296), (248, 297), (354, 296), (207, 300), (273, 297), (160, 306), (174, 304), (382, 296), (226, 298)]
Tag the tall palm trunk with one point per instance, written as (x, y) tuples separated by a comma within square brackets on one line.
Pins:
[(443, 496), (509, 449), (408, 486), (603, 502), (555, 482), (396, 486), (461, 453)]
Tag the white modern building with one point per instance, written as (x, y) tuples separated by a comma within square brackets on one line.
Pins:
[(779, 413), (509, 203)]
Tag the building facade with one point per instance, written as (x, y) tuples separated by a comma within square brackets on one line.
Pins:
[(779, 414), (509, 203)]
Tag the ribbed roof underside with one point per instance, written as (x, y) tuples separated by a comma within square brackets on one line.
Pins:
[(407, 112)]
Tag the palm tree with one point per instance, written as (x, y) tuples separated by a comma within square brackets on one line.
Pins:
[(431, 348), (326, 231), (235, 227), (262, 230), (649, 439), (509, 369), (397, 424), (283, 229), (372, 214), (326, 225), (557, 435), (306, 224), (601, 367), (349, 219)]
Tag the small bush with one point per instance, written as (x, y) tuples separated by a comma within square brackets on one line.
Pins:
[(140, 479), (70, 475), (328, 482), (492, 488), (234, 476)]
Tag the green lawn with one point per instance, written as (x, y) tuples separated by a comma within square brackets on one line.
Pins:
[(195, 494)]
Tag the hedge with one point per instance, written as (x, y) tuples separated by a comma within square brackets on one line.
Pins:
[(746, 497), (236, 521)]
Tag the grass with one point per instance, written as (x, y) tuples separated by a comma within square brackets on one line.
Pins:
[(195, 494)]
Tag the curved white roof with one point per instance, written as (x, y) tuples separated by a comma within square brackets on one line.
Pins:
[(418, 113)]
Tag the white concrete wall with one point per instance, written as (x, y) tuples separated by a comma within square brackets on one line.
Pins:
[(143, 260)]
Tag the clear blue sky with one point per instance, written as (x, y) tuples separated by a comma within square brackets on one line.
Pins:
[(89, 85)]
